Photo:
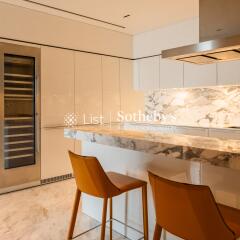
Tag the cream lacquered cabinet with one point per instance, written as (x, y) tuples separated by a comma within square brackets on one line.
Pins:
[(228, 73), (200, 75), (88, 86), (146, 74), (111, 88), (155, 73), (135, 76), (171, 74), (131, 100), (54, 153), (57, 86), (149, 73)]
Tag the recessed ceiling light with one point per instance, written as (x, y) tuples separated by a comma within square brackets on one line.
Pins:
[(126, 16)]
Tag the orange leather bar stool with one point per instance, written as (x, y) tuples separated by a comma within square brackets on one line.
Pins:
[(190, 212), (91, 179)]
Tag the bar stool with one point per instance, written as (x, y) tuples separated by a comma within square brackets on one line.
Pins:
[(190, 212), (91, 179)]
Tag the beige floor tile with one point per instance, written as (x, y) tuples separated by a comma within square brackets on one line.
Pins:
[(43, 213)]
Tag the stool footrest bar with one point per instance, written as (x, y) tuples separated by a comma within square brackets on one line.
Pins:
[(111, 220)]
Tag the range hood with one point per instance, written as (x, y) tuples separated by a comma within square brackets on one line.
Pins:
[(219, 34)]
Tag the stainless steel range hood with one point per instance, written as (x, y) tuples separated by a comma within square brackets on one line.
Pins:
[(219, 34)]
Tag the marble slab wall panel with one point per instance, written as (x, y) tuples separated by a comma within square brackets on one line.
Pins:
[(208, 107)]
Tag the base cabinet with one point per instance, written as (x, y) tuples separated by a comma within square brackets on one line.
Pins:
[(54, 153)]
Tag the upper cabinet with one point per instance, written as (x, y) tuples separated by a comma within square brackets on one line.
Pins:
[(136, 75), (131, 100), (171, 73), (155, 73), (57, 85), (229, 73), (111, 88), (147, 70), (200, 75), (88, 86)]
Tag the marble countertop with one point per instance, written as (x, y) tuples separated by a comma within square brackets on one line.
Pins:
[(225, 127), (171, 139), (214, 151)]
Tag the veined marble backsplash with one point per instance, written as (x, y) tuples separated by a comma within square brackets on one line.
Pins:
[(208, 107)]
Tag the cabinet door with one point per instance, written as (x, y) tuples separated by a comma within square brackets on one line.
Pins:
[(88, 87), (149, 73), (111, 88), (136, 75), (54, 153), (171, 74), (200, 75), (131, 100), (57, 85), (229, 73)]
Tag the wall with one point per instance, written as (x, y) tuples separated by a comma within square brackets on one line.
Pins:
[(210, 107), (153, 42), (29, 25)]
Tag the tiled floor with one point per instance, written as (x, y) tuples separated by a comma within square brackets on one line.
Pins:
[(43, 213)]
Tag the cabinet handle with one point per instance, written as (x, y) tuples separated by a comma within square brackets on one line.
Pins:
[(37, 143), (54, 127)]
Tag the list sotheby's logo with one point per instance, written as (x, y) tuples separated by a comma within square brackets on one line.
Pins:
[(72, 119)]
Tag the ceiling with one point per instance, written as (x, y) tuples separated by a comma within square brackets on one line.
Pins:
[(145, 15)]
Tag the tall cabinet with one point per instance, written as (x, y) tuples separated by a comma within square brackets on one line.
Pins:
[(57, 100), (111, 88), (88, 87), (132, 101)]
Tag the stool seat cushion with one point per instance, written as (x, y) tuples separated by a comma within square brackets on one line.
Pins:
[(125, 183), (231, 217)]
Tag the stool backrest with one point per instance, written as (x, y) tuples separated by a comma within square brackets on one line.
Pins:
[(188, 211), (90, 176)]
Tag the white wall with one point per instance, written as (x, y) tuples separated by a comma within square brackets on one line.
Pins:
[(30, 25), (153, 42)]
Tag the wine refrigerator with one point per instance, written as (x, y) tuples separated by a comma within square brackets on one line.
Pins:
[(19, 117)]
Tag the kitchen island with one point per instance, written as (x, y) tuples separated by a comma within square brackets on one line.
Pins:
[(218, 152), (135, 150)]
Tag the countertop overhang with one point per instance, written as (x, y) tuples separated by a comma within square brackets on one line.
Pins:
[(218, 152)]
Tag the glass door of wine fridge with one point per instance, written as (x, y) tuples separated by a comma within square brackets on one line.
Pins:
[(19, 114)]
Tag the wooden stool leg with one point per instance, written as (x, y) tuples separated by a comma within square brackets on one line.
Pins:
[(104, 216), (145, 211), (74, 214), (111, 210), (157, 232)]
